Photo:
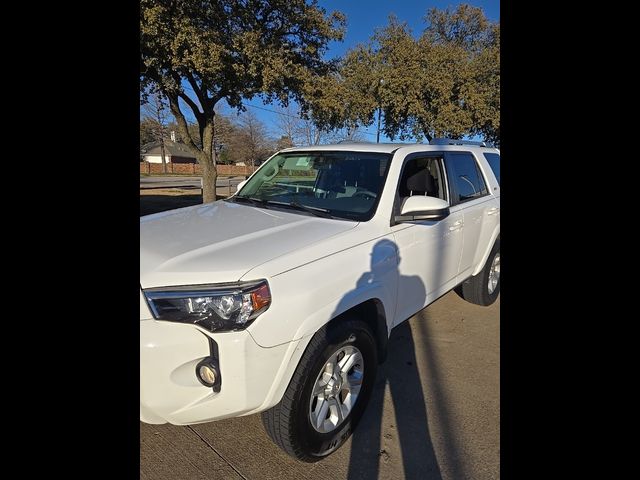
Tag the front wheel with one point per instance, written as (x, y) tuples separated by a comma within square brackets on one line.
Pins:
[(483, 288), (328, 392)]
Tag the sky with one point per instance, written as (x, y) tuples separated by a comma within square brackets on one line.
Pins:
[(363, 17)]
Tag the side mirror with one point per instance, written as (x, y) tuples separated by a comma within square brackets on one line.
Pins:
[(240, 185), (420, 207)]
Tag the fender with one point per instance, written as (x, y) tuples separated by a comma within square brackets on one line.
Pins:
[(314, 323), (375, 291), (306, 298)]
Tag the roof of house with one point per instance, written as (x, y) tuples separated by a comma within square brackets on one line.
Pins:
[(173, 149)]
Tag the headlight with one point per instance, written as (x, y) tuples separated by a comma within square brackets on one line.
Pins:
[(221, 307)]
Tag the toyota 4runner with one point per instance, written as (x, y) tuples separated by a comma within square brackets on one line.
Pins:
[(281, 298)]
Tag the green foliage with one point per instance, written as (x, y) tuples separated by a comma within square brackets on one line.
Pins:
[(256, 45), (446, 82), (232, 50)]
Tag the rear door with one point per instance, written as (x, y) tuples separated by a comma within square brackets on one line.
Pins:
[(480, 209)]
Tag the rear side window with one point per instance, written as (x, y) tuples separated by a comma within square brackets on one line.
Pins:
[(467, 179), (494, 163)]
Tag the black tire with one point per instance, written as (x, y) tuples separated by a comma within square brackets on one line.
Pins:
[(476, 289), (288, 423)]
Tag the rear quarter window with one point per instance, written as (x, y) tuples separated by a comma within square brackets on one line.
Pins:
[(494, 163)]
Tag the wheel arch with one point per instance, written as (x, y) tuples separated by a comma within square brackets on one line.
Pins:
[(371, 312), (494, 238)]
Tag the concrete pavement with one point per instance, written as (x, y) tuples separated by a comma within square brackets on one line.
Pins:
[(434, 414)]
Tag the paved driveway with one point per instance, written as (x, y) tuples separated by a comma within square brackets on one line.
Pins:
[(434, 414)]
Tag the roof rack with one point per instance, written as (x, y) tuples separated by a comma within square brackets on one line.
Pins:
[(366, 142), (451, 141)]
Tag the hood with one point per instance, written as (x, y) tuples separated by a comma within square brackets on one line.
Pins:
[(221, 241)]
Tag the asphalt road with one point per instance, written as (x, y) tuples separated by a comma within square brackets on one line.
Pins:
[(434, 414), (183, 182)]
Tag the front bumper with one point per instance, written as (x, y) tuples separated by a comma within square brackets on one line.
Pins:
[(170, 391)]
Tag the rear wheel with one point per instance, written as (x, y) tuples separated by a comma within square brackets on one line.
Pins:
[(328, 392), (484, 288)]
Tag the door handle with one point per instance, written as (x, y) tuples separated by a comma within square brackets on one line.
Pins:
[(493, 211), (456, 226)]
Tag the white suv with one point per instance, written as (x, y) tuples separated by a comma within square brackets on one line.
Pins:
[(281, 298)]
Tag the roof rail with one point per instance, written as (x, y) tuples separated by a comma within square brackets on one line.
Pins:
[(451, 141), (366, 142)]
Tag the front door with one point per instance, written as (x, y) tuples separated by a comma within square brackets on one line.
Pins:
[(429, 252)]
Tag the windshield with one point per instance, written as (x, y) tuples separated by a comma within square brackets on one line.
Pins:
[(339, 184)]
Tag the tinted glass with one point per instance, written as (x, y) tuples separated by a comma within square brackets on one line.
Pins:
[(494, 163), (343, 184), (466, 176)]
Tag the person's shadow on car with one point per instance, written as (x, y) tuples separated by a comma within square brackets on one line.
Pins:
[(410, 430)]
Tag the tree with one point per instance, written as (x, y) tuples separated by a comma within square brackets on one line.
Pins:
[(284, 142), (301, 129), (198, 53), (193, 131), (446, 82), (148, 129), (350, 134), (461, 80), (288, 125), (255, 144), (242, 139), (226, 138), (155, 110), (484, 90)]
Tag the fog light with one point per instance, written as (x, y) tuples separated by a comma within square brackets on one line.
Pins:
[(207, 372)]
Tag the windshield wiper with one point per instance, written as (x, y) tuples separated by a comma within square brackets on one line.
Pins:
[(252, 200), (318, 212), (260, 202)]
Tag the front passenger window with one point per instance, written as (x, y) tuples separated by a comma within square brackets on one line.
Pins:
[(421, 176)]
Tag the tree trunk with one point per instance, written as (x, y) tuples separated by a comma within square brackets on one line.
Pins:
[(207, 155), (208, 161), (209, 177)]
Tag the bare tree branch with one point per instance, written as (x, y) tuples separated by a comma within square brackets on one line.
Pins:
[(183, 127)]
